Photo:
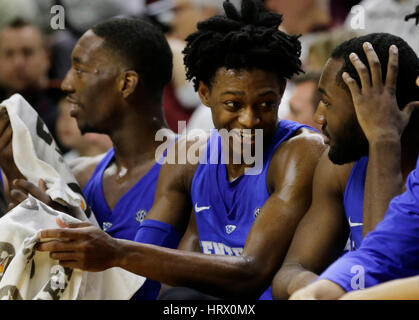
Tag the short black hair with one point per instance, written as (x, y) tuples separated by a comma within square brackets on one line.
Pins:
[(250, 40), (406, 90), (143, 47), (18, 23)]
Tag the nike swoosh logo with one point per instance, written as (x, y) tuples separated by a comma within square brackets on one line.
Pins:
[(199, 209), (354, 224)]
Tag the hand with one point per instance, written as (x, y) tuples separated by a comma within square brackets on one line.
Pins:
[(375, 104), (80, 245), (21, 188), (319, 290), (303, 294), (7, 162)]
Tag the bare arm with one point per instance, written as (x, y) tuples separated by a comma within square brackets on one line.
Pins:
[(245, 276), (401, 289), (383, 125), (321, 234)]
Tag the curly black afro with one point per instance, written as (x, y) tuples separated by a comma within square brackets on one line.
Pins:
[(250, 40)]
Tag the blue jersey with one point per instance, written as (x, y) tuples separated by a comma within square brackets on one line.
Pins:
[(225, 211), (124, 220), (389, 252), (130, 210), (354, 201)]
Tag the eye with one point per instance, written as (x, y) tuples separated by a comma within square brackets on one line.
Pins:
[(232, 105), (267, 105), (326, 104)]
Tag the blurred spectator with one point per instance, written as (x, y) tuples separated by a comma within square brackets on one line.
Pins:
[(24, 65), (323, 44), (386, 16), (181, 16), (69, 135), (24, 9), (339, 10), (302, 16), (187, 13), (179, 98), (305, 99), (79, 17)]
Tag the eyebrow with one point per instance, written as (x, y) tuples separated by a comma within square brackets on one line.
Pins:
[(322, 91), (242, 93), (236, 93), (77, 59)]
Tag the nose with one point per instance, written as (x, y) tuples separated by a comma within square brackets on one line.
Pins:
[(67, 85), (18, 60), (248, 118), (320, 115)]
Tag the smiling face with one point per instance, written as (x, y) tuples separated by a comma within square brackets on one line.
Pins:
[(336, 115), (244, 99), (92, 85)]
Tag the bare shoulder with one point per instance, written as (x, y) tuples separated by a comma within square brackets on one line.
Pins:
[(304, 146), (295, 160), (332, 176), (83, 168), (183, 157)]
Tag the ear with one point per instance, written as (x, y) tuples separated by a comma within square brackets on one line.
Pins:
[(128, 83), (204, 93)]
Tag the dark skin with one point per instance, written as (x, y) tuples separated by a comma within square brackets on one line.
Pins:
[(384, 128), (326, 219), (105, 97), (239, 99)]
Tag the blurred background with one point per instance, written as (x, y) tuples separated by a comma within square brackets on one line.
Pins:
[(34, 57)]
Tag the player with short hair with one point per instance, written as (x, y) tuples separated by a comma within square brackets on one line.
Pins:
[(239, 64)]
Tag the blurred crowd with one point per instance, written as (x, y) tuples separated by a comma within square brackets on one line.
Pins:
[(34, 57)]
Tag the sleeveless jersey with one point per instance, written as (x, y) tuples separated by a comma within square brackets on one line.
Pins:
[(390, 251), (130, 210), (225, 211), (354, 201), (124, 220)]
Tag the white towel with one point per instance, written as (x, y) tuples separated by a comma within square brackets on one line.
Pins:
[(29, 274)]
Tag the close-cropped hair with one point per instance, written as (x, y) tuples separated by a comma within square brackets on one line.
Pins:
[(246, 40), (142, 46), (408, 70)]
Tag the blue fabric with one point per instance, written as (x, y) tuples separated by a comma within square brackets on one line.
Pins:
[(389, 252), (158, 233), (225, 211), (354, 201), (125, 219)]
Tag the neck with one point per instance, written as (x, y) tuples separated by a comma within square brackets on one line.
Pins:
[(134, 138)]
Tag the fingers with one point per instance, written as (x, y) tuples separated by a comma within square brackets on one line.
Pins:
[(375, 66), (58, 246), (17, 196), (410, 107), (28, 187), (42, 185), (362, 71), (65, 233), (4, 119), (6, 136), (65, 256), (392, 69), (353, 87), (69, 224)]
